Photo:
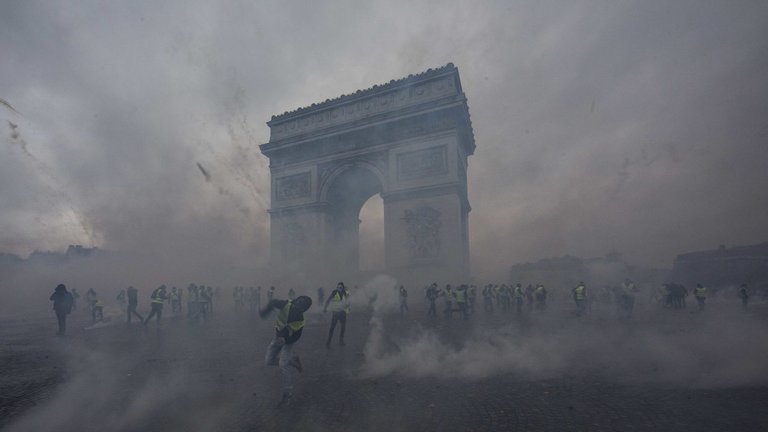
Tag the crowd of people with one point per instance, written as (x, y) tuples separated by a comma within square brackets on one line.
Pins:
[(458, 299)]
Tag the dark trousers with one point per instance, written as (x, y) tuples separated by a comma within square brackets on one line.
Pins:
[(62, 317), (488, 304), (701, 301), (157, 309), (431, 311), (132, 311), (337, 317), (462, 309), (97, 314), (581, 307)]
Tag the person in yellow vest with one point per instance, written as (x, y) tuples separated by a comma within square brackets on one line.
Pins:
[(700, 292), (518, 294), (289, 326), (580, 297), (158, 297), (460, 296), (448, 293), (339, 304)]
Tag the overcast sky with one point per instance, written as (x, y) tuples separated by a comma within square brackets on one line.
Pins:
[(635, 125)]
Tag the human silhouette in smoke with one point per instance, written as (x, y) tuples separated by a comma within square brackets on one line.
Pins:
[(581, 298), (133, 302), (744, 296), (432, 295), (700, 292), (403, 294), (158, 297), (62, 305)]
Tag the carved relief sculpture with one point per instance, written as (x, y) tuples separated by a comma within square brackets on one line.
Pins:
[(423, 232)]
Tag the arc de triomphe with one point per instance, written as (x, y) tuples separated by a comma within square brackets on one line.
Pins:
[(407, 140)]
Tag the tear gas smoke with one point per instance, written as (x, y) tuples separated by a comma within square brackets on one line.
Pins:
[(723, 348)]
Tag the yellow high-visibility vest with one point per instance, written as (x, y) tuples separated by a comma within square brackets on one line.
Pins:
[(460, 296), (156, 298), (581, 292), (282, 320), (339, 303)]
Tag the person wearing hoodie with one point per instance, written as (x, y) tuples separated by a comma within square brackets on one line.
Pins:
[(62, 305)]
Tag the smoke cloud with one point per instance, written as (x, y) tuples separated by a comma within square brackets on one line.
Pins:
[(657, 346), (598, 127)]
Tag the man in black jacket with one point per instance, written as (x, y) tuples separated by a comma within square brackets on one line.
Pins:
[(133, 302), (62, 304), (288, 329)]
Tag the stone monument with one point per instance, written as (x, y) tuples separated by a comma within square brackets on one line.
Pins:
[(407, 140)]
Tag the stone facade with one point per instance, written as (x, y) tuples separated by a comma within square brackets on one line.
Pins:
[(407, 140)]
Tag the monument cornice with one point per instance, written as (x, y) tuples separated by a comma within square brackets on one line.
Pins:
[(385, 130), (434, 87), (364, 94)]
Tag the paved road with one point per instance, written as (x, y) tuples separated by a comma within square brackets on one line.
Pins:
[(467, 376)]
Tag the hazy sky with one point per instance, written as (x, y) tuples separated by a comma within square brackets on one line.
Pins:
[(635, 125)]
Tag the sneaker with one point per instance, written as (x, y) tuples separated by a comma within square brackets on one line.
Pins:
[(286, 400), (295, 362)]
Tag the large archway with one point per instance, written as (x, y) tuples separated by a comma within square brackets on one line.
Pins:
[(346, 193), (372, 246), (407, 140)]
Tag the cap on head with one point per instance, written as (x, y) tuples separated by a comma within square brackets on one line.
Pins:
[(60, 287)]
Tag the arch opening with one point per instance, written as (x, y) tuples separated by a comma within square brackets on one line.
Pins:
[(345, 197), (372, 235)]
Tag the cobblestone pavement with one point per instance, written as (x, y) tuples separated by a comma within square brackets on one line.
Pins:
[(212, 377)]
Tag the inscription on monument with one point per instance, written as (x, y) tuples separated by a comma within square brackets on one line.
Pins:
[(422, 163), (423, 228), (293, 186)]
